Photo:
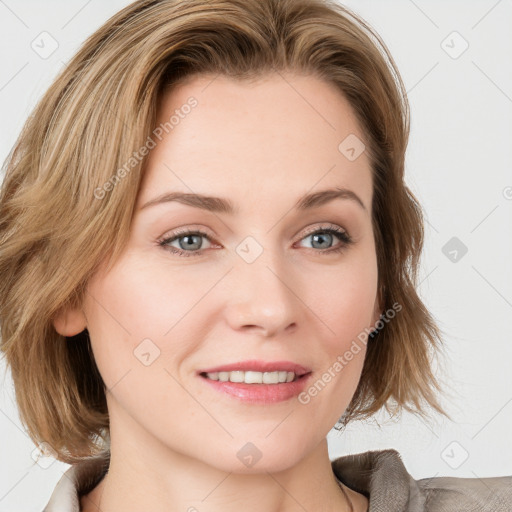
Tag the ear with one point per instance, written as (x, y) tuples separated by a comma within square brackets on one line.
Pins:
[(69, 322)]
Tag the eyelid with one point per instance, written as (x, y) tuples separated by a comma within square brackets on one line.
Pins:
[(327, 225), (182, 231)]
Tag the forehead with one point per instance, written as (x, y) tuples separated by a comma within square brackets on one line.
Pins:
[(279, 135)]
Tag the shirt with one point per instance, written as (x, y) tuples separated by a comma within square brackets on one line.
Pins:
[(380, 475)]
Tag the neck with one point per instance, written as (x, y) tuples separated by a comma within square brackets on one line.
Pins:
[(156, 476)]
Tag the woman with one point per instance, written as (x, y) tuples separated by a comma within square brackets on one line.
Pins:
[(209, 255)]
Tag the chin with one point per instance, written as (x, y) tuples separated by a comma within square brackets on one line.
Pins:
[(243, 456)]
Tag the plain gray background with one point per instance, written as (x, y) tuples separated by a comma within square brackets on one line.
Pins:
[(458, 165)]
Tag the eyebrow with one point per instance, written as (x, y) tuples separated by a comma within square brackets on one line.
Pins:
[(221, 205)]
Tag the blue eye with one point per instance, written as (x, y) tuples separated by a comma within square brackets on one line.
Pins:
[(190, 241), (319, 236)]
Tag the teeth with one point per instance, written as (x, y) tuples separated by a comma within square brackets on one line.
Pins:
[(250, 377)]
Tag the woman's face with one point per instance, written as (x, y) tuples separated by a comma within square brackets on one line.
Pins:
[(259, 285)]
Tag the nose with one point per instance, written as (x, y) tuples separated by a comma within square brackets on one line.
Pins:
[(262, 298)]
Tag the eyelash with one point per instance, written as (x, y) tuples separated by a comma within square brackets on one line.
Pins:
[(339, 233)]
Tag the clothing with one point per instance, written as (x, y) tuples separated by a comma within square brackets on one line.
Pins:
[(379, 475)]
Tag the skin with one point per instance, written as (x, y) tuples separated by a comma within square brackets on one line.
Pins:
[(174, 440)]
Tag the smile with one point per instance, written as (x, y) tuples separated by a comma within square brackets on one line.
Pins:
[(258, 382)]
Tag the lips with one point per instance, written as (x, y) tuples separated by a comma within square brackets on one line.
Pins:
[(262, 382), (259, 366)]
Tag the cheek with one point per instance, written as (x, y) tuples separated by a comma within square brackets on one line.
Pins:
[(345, 300), (346, 306), (138, 313)]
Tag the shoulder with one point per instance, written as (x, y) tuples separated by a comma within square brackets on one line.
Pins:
[(77, 480), (493, 494), (382, 477)]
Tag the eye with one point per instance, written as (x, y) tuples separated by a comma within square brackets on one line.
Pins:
[(189, 242), (321, 237)]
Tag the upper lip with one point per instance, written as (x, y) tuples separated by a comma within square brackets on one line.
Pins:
[(259, 366)]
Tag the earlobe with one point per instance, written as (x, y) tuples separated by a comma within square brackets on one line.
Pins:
[(69, 322)]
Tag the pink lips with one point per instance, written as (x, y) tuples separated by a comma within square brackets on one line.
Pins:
[(260, 393)]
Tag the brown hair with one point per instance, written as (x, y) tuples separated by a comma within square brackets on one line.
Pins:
[(54, 232)]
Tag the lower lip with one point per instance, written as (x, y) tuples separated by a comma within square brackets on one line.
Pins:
[(260, 393)]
